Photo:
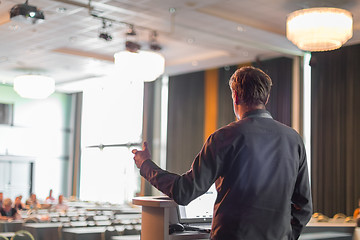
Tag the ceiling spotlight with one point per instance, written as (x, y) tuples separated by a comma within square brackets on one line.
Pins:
[(131, 31), (131, 44), (154, 45), (103, 33), (26, 13), (107, 37)]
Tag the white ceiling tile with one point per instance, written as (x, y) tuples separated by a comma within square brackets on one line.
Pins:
[(205, 31)]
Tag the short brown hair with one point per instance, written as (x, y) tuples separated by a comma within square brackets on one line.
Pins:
[(251, 84), (7, 202)]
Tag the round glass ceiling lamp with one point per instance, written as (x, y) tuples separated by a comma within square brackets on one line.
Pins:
[(34, 86), (144, 66), (319, 29)]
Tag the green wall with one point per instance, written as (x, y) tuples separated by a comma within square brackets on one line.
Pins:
[(41, 132)]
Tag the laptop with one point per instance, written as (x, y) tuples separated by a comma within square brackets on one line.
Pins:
[(197, 215)]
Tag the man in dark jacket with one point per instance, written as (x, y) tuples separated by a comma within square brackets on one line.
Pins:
[(258, 165)]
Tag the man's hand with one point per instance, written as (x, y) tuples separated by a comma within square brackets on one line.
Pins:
[(141, 156)]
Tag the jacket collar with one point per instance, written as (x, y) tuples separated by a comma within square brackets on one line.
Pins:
[(262, 113)]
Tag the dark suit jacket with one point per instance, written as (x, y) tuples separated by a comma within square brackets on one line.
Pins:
[(260, 170)]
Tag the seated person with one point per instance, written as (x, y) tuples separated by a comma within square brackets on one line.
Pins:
[(61, 206), (18, 205), (357, 210), (50, 198), (1, 199), (7, 212), (32, 202)]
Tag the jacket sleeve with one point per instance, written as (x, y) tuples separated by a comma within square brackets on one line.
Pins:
[(301, 207), (188, 186), (159, 178)]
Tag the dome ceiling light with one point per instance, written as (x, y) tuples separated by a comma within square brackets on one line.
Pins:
[(319, 29), (34, 86)]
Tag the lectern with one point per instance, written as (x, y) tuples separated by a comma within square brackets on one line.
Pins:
[(157, 213)]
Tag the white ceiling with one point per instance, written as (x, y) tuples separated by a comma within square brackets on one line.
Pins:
[(200, 34)]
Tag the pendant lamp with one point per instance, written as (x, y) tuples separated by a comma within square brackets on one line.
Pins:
[(319, 29), (34, 86), (144, 66)]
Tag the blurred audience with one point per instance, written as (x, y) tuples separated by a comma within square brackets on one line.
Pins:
[(50, 199), (1, 199), (18, 205), (61, 206), (357, 210), (32, 202), (7, 212)]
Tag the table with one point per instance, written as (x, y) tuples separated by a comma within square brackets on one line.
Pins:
[(326, 235), (11, 226), (86, 233), (44, 231), (343, 227), (126, 237), (187, 235)]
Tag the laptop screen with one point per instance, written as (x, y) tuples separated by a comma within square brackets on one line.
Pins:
[(200, 209)]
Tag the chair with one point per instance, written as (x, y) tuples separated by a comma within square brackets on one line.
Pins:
[(2, 237), (89, 218), (110, 232), (339, 215), (22, 235), (316, 215), (323, 218), (131, 230), (103, 223), (339, 218)]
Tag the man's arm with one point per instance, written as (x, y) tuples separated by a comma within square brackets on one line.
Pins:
[(186, 187), (159, 178), (301, 207)]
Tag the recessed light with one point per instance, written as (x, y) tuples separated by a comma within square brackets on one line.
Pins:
[(72, 39), (31, 50), (61, 9), (3, 59), (14, 27), (240, 28), (190, 40)]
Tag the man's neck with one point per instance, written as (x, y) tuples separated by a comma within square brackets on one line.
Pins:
[(242, 109)]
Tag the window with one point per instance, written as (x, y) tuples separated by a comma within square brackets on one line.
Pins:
[(112, 115), (307, 108)]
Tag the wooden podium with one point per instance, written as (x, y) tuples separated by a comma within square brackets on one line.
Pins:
[(157, 213)]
